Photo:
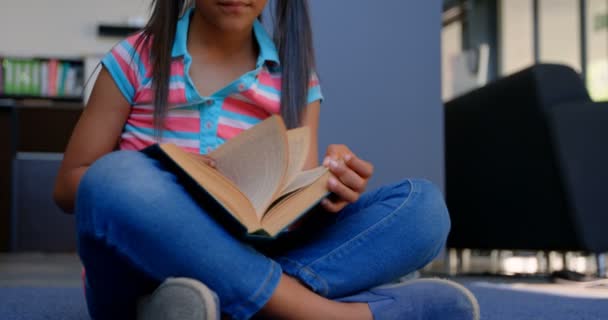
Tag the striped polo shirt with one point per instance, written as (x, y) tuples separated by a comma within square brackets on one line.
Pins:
[(196, 123)]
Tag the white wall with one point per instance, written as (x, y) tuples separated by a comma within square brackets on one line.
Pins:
[(61, 27)]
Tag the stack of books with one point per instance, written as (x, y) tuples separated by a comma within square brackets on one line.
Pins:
[(44, 78)]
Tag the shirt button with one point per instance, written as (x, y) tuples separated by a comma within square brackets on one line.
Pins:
[(241, 87), (208, 125), (209, 149), (209, 102)]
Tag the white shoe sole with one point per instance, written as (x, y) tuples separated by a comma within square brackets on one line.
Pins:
[(180, 298)]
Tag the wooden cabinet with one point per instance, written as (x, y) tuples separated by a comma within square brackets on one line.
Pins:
[(29, 127)]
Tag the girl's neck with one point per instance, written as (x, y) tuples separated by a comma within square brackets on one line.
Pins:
[(217, 44)]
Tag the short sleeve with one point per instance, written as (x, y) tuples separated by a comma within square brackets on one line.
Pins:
[(121, 63), (314, 89)]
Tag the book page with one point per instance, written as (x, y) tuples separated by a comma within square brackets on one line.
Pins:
[(294, 205), (303, 179), (214, 183), (256, 161), (299, 146)]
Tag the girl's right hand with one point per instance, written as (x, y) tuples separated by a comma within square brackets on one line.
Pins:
[(351, 175)]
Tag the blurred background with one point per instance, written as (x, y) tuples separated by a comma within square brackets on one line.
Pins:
[(501, 103), (507, 36), (528, 142)]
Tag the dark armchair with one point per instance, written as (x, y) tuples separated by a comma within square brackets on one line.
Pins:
[(527, 164)]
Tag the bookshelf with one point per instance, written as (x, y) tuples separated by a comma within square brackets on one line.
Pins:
[(57, 79)]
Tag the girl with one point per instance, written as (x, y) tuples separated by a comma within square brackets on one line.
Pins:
[(196, 76)]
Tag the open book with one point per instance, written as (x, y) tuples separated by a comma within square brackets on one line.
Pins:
[(259, 179)]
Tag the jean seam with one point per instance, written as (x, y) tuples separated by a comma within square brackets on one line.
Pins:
[(366, 231), (305, 269), (242, 307)]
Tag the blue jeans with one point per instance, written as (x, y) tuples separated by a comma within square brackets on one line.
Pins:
[(137, 226)]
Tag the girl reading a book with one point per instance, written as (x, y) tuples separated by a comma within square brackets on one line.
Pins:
[(199, 73)]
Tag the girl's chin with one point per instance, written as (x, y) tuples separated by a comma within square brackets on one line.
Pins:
[(234, 25)]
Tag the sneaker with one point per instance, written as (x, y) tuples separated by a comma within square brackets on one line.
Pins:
[(420, 299), (180, 298)]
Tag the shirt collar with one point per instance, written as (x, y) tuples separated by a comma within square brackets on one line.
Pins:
[(268, 51)]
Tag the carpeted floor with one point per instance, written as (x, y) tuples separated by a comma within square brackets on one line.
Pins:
[(496, 303), (501, 303), (48, 287), (50, 303)]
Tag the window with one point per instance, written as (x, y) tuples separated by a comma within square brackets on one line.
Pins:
[(537, 31), (597, 48), (560, 32), (516, 35), (451, 42)]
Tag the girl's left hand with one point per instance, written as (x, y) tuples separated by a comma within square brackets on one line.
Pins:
[(351, 175)]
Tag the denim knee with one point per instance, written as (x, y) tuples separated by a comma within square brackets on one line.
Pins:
[(433, 220), (436, 220), (109, 185)]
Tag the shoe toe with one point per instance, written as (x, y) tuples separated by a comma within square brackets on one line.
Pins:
[(180, 298), (426, 299)]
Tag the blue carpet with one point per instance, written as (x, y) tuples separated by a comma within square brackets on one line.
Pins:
[(42, 304), (502, 304), (496, 304)]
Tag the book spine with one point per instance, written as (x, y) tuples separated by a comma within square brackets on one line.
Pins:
[(24, 74), (8, 76), (1, 76), (44, 78), (53, 66), (70, 82), (36, 78), (13, 78), (79, 81), (20, 83), (26, 77), (61, 75), (16, 72)]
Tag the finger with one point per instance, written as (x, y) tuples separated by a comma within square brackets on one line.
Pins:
[(210, 162), (343, 192), (207, 160), (333, 207), (361, 167), (327, 159), (336, 151), (348, 176)]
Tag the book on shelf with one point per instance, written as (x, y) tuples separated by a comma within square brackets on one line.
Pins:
[(259, 187), (52, 77), (41, 77), (1, 76)]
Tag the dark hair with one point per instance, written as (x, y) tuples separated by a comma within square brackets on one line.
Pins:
[(292, 36), (159, 32)]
